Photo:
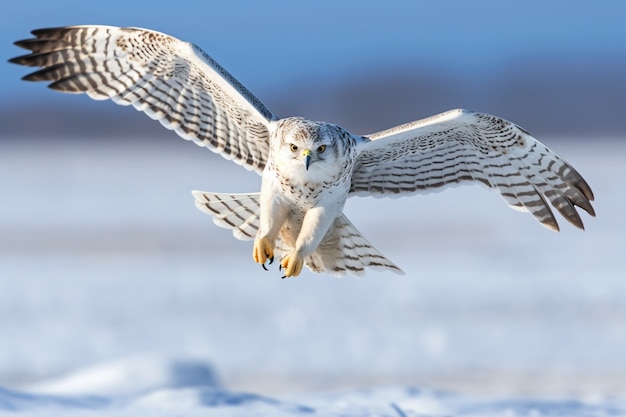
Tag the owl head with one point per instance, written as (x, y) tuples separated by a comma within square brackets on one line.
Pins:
[(310, 150)]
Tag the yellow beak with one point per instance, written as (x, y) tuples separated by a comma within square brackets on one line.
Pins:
[(307, 158)]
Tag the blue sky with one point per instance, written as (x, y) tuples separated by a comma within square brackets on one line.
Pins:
[(272, 44)]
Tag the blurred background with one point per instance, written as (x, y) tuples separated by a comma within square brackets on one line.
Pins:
[(103, 255), (556, 66)]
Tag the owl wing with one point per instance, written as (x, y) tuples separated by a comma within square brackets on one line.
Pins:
[(462, 146), (171, 81)]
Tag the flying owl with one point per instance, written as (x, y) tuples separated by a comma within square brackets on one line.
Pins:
[(308, 168)]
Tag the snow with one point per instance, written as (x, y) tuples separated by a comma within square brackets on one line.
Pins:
[(119, 298), (198, 399)]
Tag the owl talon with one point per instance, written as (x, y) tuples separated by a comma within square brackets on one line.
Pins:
[(271, 261), (292, 264), (263, 252)]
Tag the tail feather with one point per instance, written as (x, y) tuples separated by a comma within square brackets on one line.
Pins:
[(239, 212), (343, 249)]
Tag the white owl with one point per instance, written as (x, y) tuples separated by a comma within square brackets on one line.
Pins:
[(309, 168)]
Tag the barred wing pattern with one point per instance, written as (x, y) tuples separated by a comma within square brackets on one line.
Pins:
[(462, 146), (187, 91), (171, 81)]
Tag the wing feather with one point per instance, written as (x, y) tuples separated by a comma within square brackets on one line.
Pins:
[(171, 81), (460, 146)]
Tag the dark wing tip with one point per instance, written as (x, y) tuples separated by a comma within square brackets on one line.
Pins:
[(585, 196), (574, 218), (586, 189), (43, 38), (19, 60), (568, 205), (42, 31), (45, 74), (586, 205), (25, 43), (552, 225), (592, 212), (40, 35), (30, 44), (50, 33)]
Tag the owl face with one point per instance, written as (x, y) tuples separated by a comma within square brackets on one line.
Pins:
[(308, 150)]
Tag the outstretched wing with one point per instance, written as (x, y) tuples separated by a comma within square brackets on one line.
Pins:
[(463, 146), (171, 81)]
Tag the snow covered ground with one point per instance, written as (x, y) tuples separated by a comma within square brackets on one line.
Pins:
[(118, 297)]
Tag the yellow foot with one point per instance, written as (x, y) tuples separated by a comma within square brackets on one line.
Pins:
[(292, 265), (263, 252)]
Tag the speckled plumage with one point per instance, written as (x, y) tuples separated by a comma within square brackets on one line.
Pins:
[(309, 168)]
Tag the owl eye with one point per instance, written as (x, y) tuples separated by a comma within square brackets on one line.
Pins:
[(321, 149), (293, 147)]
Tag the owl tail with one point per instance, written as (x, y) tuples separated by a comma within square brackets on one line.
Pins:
[(343, 249), (239, 212)]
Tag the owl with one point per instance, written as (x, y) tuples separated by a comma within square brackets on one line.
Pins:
[(308, 168)]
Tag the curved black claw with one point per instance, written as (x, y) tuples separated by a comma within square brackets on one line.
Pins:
[(271, 260)]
